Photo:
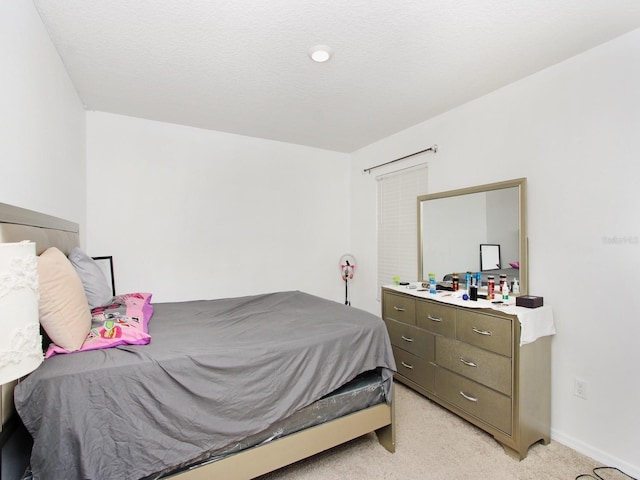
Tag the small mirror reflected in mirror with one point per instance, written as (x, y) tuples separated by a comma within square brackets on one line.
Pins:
[(489, 257)]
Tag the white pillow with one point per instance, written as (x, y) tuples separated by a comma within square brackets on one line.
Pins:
[(64, 311), (95, 284)]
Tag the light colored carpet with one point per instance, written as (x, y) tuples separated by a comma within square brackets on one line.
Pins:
[(434, 444)]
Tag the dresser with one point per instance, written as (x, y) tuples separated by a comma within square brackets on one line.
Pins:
[(472, 362)]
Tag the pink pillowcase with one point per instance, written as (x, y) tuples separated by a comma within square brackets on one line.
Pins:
[(125, 320)]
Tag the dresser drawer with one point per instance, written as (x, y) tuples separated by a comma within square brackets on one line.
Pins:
[(484, 367), (412, 339), (400, 308), (481, 402), (485, 331), (415, 369), (436, 318)]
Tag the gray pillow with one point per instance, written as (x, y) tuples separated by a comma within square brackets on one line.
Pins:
[(96, 286)]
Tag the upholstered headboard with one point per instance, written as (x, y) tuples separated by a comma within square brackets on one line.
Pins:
[(17, 224)]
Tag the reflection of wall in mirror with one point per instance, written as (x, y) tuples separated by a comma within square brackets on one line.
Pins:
[(503, 214), (451, 231)]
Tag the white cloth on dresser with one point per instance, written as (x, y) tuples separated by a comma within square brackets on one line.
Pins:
[(534, 322)]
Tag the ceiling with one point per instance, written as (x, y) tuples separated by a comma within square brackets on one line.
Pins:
[(243, 67)]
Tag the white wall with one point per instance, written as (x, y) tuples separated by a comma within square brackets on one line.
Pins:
[(157, 189), (573, 131), (190, 213), (42, 121)]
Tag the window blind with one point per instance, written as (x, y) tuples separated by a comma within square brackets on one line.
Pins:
[(398, 224)]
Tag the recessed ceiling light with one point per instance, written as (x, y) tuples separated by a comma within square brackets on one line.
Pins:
[(320, 53)]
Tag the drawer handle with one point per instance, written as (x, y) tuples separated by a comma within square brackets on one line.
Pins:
[(468, 397), (398, 309), (468, 363), (434, 319), (481, 332), (406, 365), (407, 339)]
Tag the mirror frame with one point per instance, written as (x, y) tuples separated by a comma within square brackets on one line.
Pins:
[(521, 183)]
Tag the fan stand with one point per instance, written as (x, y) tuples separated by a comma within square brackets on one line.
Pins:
[(346, 291), (347, 267)]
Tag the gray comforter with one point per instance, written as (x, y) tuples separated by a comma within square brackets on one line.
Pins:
[(215, 372)]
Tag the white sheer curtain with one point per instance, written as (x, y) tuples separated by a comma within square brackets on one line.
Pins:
[(398, 224)]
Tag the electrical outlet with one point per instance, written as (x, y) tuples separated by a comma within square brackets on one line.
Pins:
[(580, 388)]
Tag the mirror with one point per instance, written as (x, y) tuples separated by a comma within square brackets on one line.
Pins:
[(489, 257), (455, 226)]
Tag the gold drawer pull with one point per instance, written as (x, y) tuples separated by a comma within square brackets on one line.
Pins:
[(468, 397), (467, 363), (434, 319), (410, 367), (398, 309), (407, 339), (481, 332)]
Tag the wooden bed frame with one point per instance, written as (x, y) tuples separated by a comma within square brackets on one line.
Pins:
[(21, 224)]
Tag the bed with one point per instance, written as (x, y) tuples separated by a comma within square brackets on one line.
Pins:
[(227, 388)]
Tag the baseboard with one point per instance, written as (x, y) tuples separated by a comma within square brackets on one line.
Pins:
[(603, 457)]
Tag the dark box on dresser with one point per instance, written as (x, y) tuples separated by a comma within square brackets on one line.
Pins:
[(529, 301)]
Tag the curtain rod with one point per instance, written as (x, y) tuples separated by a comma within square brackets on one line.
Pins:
[(433, 149)]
